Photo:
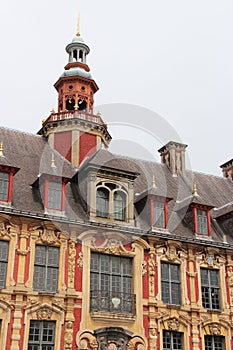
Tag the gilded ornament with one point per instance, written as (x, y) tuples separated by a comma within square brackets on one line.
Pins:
[(173, 324), (215, 329)]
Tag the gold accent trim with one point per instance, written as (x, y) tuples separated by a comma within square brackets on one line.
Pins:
[(78, 32)]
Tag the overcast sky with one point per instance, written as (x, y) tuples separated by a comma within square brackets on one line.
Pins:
[(173, 57)]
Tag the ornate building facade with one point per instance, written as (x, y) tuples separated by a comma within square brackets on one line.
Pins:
[(99, 251)]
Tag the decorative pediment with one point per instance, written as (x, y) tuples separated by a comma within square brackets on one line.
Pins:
[(113, 247), (172, 251), (210, 257)]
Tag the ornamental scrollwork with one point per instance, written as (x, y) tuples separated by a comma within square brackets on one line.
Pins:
[(49, 236), (4, 231)]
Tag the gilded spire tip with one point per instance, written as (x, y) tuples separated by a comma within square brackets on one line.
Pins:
[(1, 149), (53, 161), (78, 32), (153, 182), (195, 193)]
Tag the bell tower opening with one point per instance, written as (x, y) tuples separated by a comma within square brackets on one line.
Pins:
[(70, 104), (82, 104)]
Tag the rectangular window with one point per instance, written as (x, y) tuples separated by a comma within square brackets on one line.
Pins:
[(41, 335), (4, 184), (210, 289), (111, 283), (202, 225), (46, 268), (170, 280), (159, 217), (54, 195), (214, 342), (172, 340), (3, 262)]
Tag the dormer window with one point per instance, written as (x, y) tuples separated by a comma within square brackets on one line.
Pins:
[(4, 186), (202, 224), (52, 191), (111, 202), (6, 183), (159, 212)]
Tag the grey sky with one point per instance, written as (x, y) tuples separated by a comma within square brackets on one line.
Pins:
[(174, 57)]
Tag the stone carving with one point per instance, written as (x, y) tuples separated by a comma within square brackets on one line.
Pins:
[(173, 324), (49, 236), (153, 338), (71, 262), (112, 246), (215, 329), (3, 230), (151, 270), (80, 260), (143, 268), (83, 344), (44, 314), (68, 335), (23, 252), (230, 275), (58, 302)]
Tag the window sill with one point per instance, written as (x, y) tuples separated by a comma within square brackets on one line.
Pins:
[(54, 212), (203, 236), (5, 204), (109, 316)]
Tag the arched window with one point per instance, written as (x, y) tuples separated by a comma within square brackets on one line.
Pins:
[(102, 202), (119, 205), (80, 55), (70, 103)]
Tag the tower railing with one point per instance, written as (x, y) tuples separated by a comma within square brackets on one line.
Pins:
[(84, 115)]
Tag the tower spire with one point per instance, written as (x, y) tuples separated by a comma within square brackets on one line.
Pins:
[(78, 32)]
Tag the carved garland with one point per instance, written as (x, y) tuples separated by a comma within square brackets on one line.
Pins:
[(113, 247)]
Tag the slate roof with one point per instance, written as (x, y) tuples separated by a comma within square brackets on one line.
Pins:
[(32, 155)]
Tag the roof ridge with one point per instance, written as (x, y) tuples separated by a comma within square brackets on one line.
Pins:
[(21, 132)]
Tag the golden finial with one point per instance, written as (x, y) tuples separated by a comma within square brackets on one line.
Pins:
[(195, 193), (52, 111), (98, 114), (78, 32), (153, 182), (76, 107), (1, 149), (106, 125), (42, 121), (53, 161)]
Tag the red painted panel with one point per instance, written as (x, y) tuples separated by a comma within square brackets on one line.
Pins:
[(87, 145), (77, 316), (63, 143)]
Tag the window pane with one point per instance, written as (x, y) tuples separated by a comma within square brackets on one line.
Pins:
[(202, 221), (172, 340), (54, 195), (119, 205), (210, 289), (111, 283), (102, 202), (4, 183), (214, 342), (3, 262), (41, 335), (170, 283), (159, 219), (46, 268)]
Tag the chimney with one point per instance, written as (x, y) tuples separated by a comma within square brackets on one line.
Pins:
[(173, 154), (227, 169)]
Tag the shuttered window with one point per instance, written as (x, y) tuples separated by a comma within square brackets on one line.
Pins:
[(170, 280), (46, 268), (4, 184), (3, 262), (41, 335)]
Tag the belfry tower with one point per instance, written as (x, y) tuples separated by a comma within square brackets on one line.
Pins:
[(74, 131)]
